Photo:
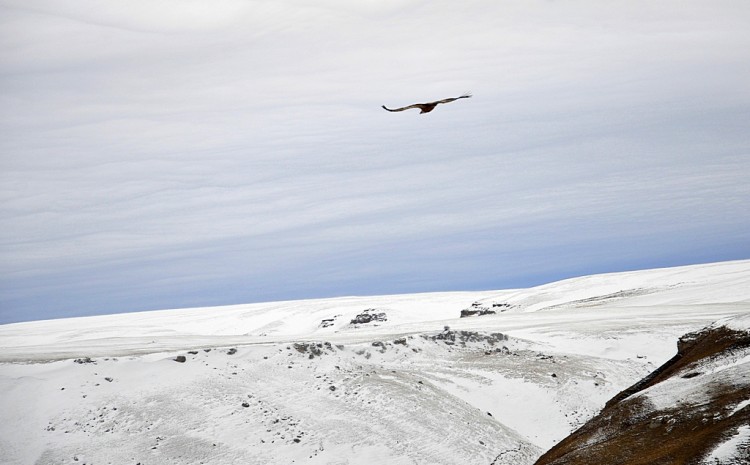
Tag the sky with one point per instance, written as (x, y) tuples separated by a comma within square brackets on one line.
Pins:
[(174, 153)]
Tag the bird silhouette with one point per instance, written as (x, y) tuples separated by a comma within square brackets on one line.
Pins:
[(428, 107)]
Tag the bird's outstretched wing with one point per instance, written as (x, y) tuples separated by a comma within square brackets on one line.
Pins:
[(448, 100), (416, 105)]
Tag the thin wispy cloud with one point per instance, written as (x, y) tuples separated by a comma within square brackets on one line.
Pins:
[(165, 154)]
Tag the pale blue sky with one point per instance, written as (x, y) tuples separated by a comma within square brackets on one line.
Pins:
[(164, 154)]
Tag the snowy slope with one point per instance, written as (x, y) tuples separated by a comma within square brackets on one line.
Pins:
[(316, 382)]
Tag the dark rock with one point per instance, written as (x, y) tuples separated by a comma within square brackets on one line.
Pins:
[(502, 305), (180, 358), (480, 309), (193, 352), (328, 322), (314, 349), (480, 312), (81, 361), (368, 316), (498, 350), (463, 337), (108, 379), (380, 345), (231, 351)]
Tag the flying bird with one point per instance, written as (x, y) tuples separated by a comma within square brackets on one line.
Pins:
[(428, 107)]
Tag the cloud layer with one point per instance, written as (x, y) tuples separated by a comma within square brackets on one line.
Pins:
[(166, 154)]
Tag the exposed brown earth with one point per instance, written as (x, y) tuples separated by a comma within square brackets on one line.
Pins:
[(633, 430)]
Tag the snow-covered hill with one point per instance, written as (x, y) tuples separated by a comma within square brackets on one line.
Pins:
[(359, 380)]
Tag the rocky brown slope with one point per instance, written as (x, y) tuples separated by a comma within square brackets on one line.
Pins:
[(679, 414)]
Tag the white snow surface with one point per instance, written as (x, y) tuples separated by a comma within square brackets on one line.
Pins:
[(735, 450), (384, 392)]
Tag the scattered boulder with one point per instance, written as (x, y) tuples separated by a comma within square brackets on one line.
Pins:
[(314, 349), (328, 322), (498, 350), (81, 361), (180, 359), (231, 351), (380, 345)]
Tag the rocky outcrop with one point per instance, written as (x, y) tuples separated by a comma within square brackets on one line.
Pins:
[(481, 309), (476, 312), (450, 337), (313, 349), (677, 415), (371, 315)]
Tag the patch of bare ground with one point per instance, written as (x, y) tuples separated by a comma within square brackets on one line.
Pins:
[(632, 429)]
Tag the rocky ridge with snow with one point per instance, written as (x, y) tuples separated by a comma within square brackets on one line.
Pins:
[(692, 410)]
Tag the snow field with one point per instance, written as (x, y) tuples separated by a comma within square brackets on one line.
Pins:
[(300, 382)]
